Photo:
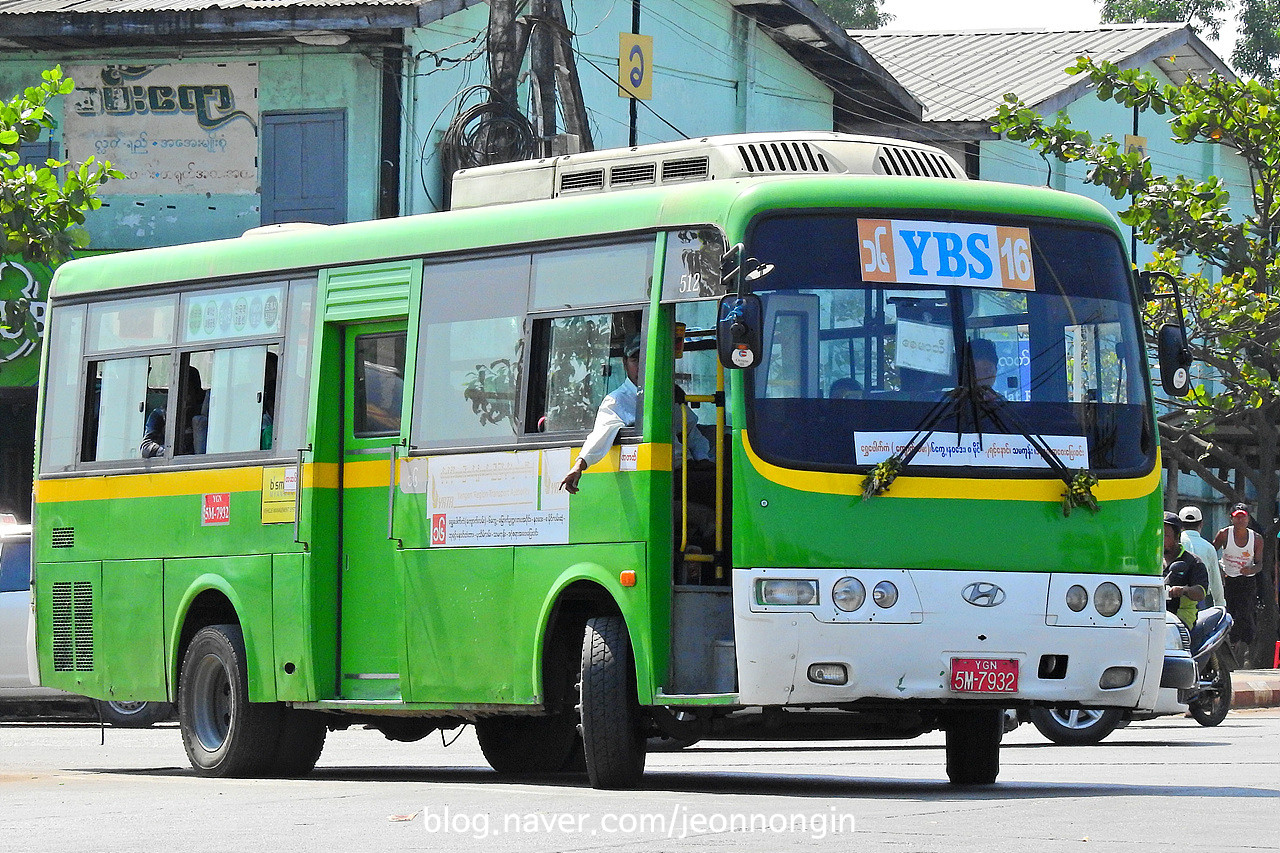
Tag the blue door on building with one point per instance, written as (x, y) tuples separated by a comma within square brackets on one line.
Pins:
[(304, 167)]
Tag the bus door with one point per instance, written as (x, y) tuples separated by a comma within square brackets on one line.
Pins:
[(702, 643), (370, 620)]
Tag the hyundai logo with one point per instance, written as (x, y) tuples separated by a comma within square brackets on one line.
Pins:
[(983, 594)]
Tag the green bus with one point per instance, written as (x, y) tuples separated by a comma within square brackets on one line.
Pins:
[(313, 477)]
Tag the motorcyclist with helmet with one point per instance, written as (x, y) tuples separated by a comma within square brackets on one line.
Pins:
[(1185, 576)]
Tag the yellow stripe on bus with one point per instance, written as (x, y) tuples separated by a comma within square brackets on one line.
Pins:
[(164, 484), (371, 473), (649, 457), (826, 482)]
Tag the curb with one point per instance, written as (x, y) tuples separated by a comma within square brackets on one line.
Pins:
[(1255, 688)]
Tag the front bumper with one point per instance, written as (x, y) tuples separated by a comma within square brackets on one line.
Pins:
[(905, 653)]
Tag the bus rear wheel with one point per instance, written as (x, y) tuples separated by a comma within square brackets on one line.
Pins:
[(224, 733), (612, 737), (520, 745), (973, 746)]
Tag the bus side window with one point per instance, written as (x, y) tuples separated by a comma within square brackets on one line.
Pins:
[(226, 400), (577, 361), (65, 344), (470, 350), (378, 384), (126, 406)]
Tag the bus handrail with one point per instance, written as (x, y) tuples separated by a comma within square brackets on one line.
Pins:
[(297, 502), (391, 494)]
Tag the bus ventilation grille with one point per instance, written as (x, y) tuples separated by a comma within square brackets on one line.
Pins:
[(582, 181), (782, 157), (686, 169), (73, 626), (63, 537), (631, 175), (914, 163)]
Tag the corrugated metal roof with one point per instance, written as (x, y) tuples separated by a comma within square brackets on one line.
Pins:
[(963, 76), (84, 7)]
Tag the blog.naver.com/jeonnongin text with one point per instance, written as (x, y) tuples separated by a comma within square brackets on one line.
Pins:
[(677, 822)]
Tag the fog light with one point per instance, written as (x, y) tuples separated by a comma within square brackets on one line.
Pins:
[(786, 591), (885, 594), (1107, 599), (848, 594), (1117, 676), (1077, 598), (1147, 599), (828, 673)]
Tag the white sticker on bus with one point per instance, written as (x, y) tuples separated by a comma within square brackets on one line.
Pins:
[(506, 498), (945, 253), (986, 450), (925, 347)]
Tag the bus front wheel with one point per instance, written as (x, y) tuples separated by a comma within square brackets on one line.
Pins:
[(223, 732), (973, 746), (612, 738)]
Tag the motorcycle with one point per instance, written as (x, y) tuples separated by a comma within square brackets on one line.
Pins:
[(1201, 652)]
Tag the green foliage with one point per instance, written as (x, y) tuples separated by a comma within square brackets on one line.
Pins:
[(41, 215), (1257, 50), (1204, 15), (857, 14)]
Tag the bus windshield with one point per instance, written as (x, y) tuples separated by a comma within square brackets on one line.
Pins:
[(862, 349)]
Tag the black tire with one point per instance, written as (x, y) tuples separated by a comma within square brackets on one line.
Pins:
[(516, 746), (973, 746), (1210, 707), (133, 715), (223, 732), (612, 738), (1076, 726), (302, 735)]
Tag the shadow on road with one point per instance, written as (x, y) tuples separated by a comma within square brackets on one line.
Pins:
[(755, 784)]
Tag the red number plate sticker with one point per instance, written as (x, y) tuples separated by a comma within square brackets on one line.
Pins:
[(984, 675)]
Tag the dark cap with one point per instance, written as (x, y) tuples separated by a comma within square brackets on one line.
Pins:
[(1240, 508), (631, 349), (1171, 519)]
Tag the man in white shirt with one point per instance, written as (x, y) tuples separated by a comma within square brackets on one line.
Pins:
[(618, 410), (1192, 521)]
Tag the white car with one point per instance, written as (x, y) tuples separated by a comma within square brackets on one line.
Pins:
[(18, 676)]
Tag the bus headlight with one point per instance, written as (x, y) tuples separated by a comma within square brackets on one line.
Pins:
[(786, 591), (885, 594), (1147, 599), (848, 594), (1107, 599), (1077, 598)]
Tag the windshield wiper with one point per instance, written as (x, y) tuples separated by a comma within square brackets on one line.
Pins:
[(983, 401)]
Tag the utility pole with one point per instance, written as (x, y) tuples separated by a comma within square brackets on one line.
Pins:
[(635, 31), (542, 61), (505, 55), (546, 36)]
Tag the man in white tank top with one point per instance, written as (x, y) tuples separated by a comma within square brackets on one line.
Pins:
[(1241, 549)]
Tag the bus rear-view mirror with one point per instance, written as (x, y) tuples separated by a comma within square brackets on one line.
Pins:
[(738, 331)]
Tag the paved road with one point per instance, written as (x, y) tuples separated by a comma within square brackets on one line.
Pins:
[(1146, 788)]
